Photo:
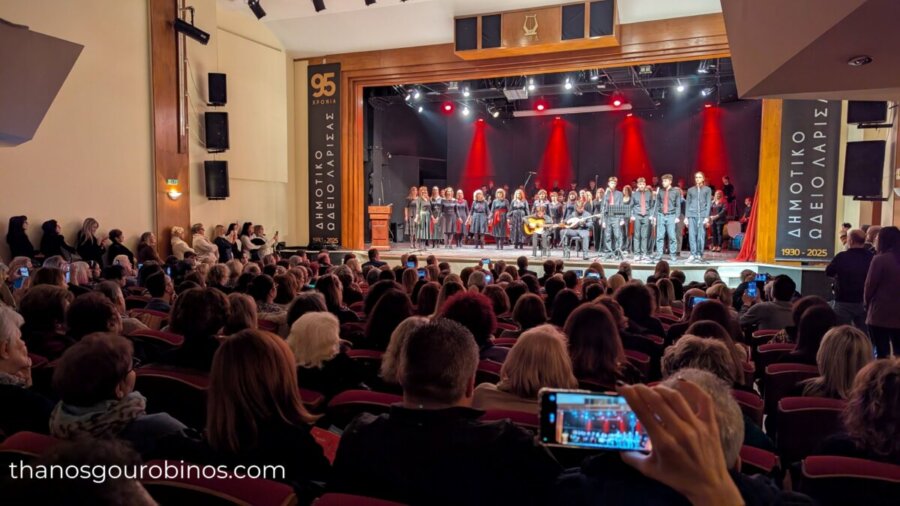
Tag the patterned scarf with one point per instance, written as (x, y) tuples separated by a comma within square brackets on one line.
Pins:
[(104, 419), (10, 379)]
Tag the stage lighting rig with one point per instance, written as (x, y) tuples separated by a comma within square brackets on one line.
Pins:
[(465, 111), (568, 84), (319, 5), (189, 30), (257, 9), (594, 75), (680, 87)]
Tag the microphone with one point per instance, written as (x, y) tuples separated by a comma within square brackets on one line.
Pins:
[(531, 172)]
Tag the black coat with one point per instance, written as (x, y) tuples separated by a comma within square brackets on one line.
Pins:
[(115, 249), (90, 250)]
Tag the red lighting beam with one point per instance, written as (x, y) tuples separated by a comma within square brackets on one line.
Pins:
[(556, 164)]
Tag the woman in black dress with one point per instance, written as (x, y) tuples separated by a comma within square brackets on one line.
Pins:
[(462, 215), (53, 243), (499, 208), (19, 244), (409, 215), (89, 248), (718, 217), (518, 210), (448, 217), (478, 218)]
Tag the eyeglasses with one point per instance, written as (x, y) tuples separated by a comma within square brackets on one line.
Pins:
[(135, 363)]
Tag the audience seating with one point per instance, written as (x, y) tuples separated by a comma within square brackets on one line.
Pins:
[(156, 320), (357, 307), (488, 372), (501, 326), (178, 392), (508, 342), (762, 336), (37, 360), (42, 378), (780, 379), (751, 405), (803, 422), (758, 461), (190, 489), (312, 401), (642, 362), (834, 481), (667, 319), (333, 499), (345, 406), (529, 421), (24, 447), (354, 332), (267, 325), (593, 386), (769, 354), (136, 301), (370, 361)]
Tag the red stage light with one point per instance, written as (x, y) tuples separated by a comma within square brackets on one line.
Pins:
[(707, 105), (481, 120), (617, 102), (541, 106), (448, 107), (557, 118), (629, 115)]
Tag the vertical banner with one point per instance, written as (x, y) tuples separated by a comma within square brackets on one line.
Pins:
[(324, 154), (807, 182)]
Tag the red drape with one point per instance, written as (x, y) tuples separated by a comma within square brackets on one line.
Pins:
[(748, 248)]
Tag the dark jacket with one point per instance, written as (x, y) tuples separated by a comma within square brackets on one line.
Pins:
[(23, 410), (90, 250), (443, 456), (849, 269), (196, 353), (336, 375), (115, 249), (19, 244), (345, 315), (160, 305), (53, 243), (147, 252), (226, 252), (843, 445), (50, 345), (374, 263)]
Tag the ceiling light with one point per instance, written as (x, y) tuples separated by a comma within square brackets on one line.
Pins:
[(417, 95), (645, 69), (707, 105), (540, 105), (680, 87), (704, 68), (568, 84), (319, 5), (531, 85), (617, 102), (465, 111), (496, 113), (595, 75), (420, 109), (448, 107), (859, 61), (466, 91), (493, 111), (629, 115), (408, 96), (707, 91)]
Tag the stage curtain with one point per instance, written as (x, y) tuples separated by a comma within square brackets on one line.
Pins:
[(748, 248)]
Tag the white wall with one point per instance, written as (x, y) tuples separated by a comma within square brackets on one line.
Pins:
[(92, 154)]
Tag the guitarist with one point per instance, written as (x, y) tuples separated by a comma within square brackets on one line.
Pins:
[(541, 233), (612, 240), (580, 228)]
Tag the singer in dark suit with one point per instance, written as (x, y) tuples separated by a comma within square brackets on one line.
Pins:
[(642, 212), (697, 207), (668, 207), (612, 239)]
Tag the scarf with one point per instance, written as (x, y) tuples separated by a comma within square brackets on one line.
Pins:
[(104, 419), (10, 379)]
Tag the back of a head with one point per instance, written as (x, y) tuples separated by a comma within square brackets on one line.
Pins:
[(783, 288), (438, 362), (843, 352), (727, 411), (549, 267), (156, 284), (553, 286), (91, 369), (514, 290), (856, 237), (315, 338), (376, 291), (499, 299), (373, 254), (43, 307), (522, 262), (199, 313), (531, 282), (427, 299), (539, 359), (564, 303), (89, 313), (814, 323), (48, 276), (390, 361), (392, 308), (712, 310), (709, 329), (710, 277), (699, 353), (304, 303), (872, 415), (803, 303), (477, 279), (529, 311), (261, 287), (570, 278), (474, 311), (242, 313), (253, 381), (636, 301), (888, 240), (594, 342)]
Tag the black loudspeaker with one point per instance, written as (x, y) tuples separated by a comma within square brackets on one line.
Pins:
[(864, 168), (217, 91), (216, 179), (602, 14), (573, 22), (866, 112), (466, 34), (490, 31), (216, 131)]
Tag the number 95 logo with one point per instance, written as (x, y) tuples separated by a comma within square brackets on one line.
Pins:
[(323, 83)]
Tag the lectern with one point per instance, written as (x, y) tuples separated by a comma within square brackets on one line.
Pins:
[(380, 218)]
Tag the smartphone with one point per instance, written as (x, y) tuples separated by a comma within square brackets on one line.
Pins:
[(116, 262), (19, 282), (421, 273), (169, 271), (485, 262), (23, 271), (751, 290), (697, 300), (312, 286), (488, 278), (582, 419), (410, 264), (579, 273), (593, 275), (68, 277), (140, 266), (762, 278)]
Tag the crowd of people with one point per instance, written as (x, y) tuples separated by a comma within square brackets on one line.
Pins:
[(644, 220), (451, 347)]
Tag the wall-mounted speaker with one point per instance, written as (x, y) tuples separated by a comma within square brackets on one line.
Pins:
[(573, 22), (216, 131), (602, 17), (860, 111), (864, 169), (466, 30), (216, 179), (217, 90), (490, 31)]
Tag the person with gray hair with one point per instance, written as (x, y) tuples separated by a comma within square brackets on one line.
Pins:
[(431, 448), (20, 408), (477, 281), (206, 251)]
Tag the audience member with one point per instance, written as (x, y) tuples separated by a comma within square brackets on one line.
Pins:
[(321, 366), (881, 293), (448, 289), (52, 242), (17, 238), (44, 310), (306, 302), (596, 349), (849, 269), (392, 308), (390, 361), (843, 352), (147, 249), (87, 245), (117, 247), (637, 303), (474, 311), (91, 313), (198, 315), (564, 303), (427, 300), (330, 287), (814, 323), (22, 408), (242, 314), (774, 314)]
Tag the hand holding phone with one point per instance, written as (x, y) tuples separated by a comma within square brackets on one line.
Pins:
[(582, 419), (410, 264), (421, 272), (593, 275), (751, 290)]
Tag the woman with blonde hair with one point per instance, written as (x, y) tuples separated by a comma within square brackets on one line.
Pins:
[(179, 247), (616, 281), (88, 246), (539, 359), (843, 352), (518, 210), (477, 281), (321, 366), (409, 279), (206, 251), (722, 293), (448, 289)]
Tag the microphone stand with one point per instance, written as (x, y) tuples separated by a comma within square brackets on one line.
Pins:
[(527, 179)]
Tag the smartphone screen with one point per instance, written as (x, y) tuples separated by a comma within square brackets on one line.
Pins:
[(485, 261), (169, 271), (19, 282), (140, 266), (410, 264), (488, 278), (421, 273), (312, 285), (68, 277), (751, 289), (762, 278), (23, 271), (579, 273), (593, 275), (697, 300), (582, 419)]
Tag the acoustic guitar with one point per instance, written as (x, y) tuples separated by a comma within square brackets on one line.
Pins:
[(537, 225)]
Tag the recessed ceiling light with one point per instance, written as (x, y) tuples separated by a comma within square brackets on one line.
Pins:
[(859, 61)]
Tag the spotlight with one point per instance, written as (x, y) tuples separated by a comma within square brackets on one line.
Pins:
[(420, 109), (369, 2), (465, 111), (496, 113), (557, 118), (447, 107), (256, 8), (466, 91), (417, 95), (707, 91), (680, 87), (493, 111), (408, 96), (189, 30), (481, 120), (531, 84), (707, 105), (704, 68), (629, 115), (319, 5), (540, 106), (595, 75), (568, 84), (617, 102)]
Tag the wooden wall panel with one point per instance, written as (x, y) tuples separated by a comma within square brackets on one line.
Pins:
[(669, 40), (168, 163), (769, 166)]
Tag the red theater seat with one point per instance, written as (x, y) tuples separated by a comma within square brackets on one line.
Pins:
[(191, 489), (267, 325), (803, 422), (333, 499), (771, 353), (178, 392), (751, 405), (488, 372), (345, 406), (757, 461), (507, 342), (133, 302), (312, 401), (763, 336), (157, 338), (834, 481), (357, 307), (370, 361), (641, 361), (780, 379)]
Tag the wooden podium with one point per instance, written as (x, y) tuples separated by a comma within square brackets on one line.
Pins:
[(380, 218)]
